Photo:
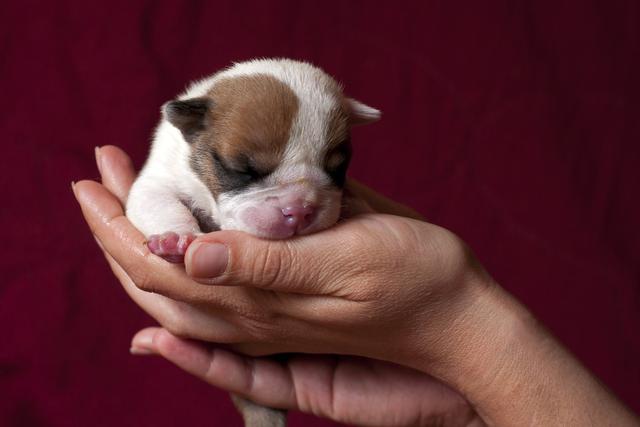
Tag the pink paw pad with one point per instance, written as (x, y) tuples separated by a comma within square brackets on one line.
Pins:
[(170, 246)]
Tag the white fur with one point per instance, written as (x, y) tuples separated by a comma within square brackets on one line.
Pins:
[(155, 202)]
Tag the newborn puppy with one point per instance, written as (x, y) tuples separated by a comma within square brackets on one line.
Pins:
[(262, 147)]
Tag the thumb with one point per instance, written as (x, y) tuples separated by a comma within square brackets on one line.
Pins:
[(232, 258)]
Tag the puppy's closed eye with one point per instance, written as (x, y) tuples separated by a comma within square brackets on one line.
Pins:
[(240, 170), (337, 162)]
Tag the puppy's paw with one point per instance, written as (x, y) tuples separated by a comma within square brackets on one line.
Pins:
[(170, 246)]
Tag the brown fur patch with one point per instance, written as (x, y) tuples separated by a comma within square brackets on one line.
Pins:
[(247, 126)]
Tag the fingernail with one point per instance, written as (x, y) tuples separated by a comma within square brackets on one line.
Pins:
[(98, 159), (208, 260), (140, 351), (142, 343)]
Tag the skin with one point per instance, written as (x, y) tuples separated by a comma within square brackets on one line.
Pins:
[(406, 312)]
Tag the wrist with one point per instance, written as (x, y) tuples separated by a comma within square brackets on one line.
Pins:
[(488, 361), (481, 345), (475, 329), (514, 372)]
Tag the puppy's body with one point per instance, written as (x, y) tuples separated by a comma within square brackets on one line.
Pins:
[(260, 137), (261, 147)]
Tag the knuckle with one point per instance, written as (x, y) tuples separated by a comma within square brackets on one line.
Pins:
[(259, 330), (271, 266), (259, 324), (143, 279), (176, 326)]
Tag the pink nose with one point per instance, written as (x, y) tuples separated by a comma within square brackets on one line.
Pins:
[(298, 217)]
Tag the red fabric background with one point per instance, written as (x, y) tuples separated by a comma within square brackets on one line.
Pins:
[(513, 123)]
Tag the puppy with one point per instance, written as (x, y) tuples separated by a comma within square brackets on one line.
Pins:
[(262, 147)]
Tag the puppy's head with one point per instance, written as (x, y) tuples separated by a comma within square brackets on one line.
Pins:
[(271, 141)]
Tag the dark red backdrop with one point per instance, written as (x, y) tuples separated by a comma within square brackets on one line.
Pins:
[(513, 123)]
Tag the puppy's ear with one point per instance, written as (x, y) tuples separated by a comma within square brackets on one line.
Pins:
[(188, 115), (361, 114)]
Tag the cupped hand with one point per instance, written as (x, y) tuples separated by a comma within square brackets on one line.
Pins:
[(374, 285), (359, 288)]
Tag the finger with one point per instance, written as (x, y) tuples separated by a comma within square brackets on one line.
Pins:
[(142, 342), (261, 380), (299, 265), (379, 202), (321, 264), (180, 318), (118, 237), (116, 169), (126, 245), (157, 306)]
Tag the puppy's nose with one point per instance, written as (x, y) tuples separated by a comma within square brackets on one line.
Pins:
[(298, 216)]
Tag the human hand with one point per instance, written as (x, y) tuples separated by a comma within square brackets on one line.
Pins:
[(417, 396), (382, 285), (105, 203), (348, 389), (454, 323)]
